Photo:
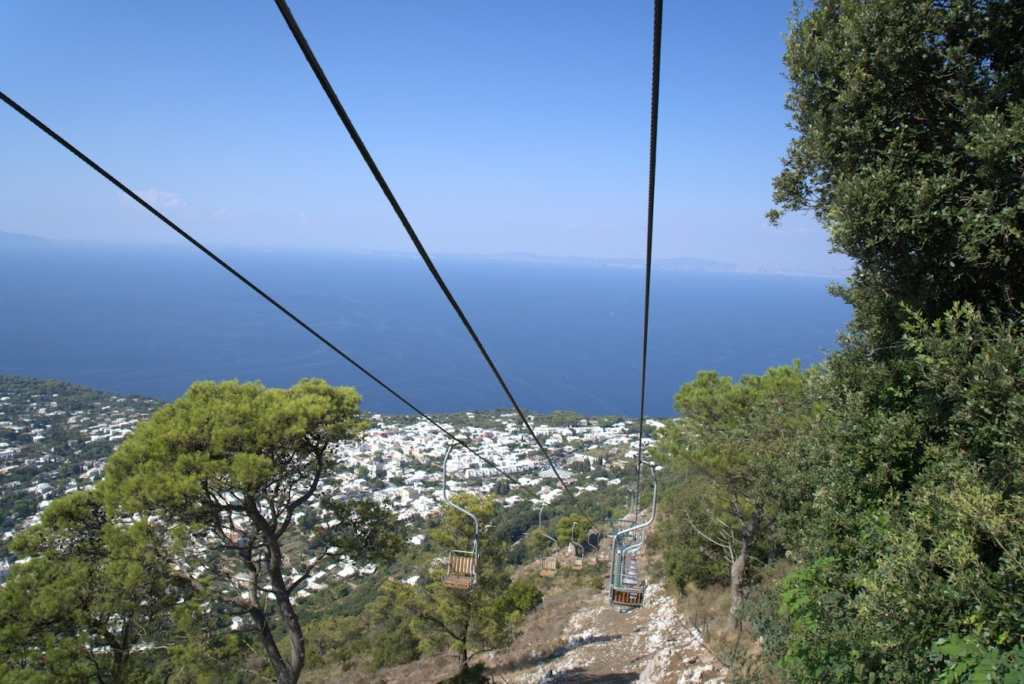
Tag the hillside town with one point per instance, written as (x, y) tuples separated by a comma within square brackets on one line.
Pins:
[(55, 439), (402, 464)]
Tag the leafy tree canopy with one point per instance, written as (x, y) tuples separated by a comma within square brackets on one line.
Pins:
[(731, 444), (909, 121), (224, 470), (91, 592), (481, 620)]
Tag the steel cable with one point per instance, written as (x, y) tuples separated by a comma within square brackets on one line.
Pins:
[(280, 307), (325, 84), (655, 88)]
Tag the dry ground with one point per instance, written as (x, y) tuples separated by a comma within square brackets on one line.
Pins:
[(575, 637), (582, 640)]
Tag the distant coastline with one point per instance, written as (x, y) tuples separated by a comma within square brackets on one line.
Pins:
[(670, 264), (9, 239)]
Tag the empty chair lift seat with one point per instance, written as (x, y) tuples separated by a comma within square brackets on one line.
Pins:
[(550, 568), (628, 598), (461, 575)]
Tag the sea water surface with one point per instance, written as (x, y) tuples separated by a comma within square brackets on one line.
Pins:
[(564, 336)]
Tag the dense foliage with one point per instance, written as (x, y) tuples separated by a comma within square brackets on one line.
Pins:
[(904, 511), (431, 618), (730, 448), (93, 592), (191, 543)]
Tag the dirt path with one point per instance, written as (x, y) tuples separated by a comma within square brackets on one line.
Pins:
[(575, 637), (579, 639)]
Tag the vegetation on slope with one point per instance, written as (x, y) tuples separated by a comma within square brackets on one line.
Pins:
[(898, 497)]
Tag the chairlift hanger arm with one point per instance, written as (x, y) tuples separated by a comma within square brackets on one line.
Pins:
[(654, 504), (444, 497), (540, 525)]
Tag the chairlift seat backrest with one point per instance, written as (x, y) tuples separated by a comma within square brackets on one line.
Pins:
[(627, 599), (461, 563), (461, 575)]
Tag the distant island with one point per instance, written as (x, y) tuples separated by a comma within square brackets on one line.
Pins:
[(22, 240), (671, 264)]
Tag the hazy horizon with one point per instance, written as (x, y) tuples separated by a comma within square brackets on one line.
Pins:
[(499, 128)]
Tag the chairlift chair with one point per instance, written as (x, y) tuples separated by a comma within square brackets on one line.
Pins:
[(577, 558), (460, 573), (549, 569), (592, 557), (625, 588), (604, 554)]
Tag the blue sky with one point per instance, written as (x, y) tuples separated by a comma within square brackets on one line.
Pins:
[(501, 127)]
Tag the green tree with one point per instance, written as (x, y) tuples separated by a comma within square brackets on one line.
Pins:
[(224, 470), (481, 620), (334, 639), (909, 121), (689, 557), (908, 128), (906, 519), (537, 544), (564, 531), (730, 440), (92, 591)]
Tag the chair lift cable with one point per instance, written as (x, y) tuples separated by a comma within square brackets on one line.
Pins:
[(123, 188), (623, 590), (549, 565), (655, 88), (307, 51)]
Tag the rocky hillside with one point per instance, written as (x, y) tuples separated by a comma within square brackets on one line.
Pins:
[(652, 645), (576, 638)]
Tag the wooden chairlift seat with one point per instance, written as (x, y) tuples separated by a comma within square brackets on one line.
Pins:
[(550, 568), (577, 557), (461, 574), (594, 557), (627, 599)]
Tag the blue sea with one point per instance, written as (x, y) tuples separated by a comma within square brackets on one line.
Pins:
[(151, 321)]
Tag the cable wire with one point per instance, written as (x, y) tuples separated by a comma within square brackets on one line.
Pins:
[(280, 307), (307, 51), (655, 88)]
